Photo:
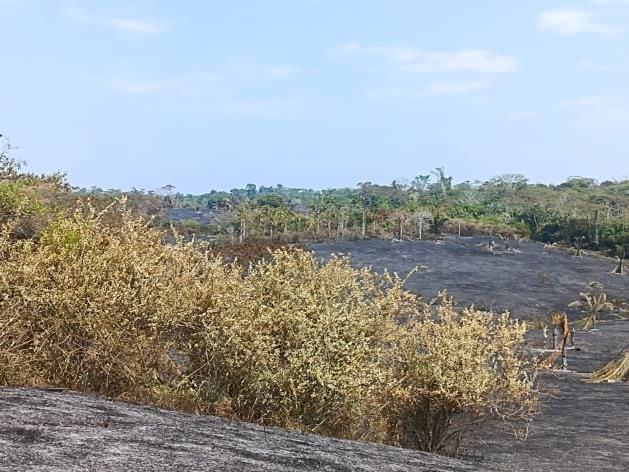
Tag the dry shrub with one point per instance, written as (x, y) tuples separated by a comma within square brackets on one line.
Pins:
[(450, 371), (299, 344), (99, 303), (96, 307)]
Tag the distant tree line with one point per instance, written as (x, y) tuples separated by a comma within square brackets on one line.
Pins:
[(579, 212)]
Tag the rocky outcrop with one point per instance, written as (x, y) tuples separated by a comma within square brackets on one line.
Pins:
[(43, 430)]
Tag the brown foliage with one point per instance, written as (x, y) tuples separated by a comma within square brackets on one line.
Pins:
[(250, 250)]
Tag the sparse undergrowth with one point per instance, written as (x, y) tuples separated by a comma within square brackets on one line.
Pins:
[(99, 303)]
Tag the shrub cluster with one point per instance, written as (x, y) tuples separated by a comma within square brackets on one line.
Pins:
[(98, 302)]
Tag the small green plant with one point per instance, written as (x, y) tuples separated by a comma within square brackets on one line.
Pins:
[(592, 302)]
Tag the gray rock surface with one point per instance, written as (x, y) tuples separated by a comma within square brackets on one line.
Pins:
[(66, 432)]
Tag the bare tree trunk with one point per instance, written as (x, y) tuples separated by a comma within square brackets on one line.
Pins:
[(364, 224), (596, 234), (620, 267)]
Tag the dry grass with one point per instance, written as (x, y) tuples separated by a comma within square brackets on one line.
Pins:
[(614, 371)]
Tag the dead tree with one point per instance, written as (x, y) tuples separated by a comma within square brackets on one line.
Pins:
[(620, 264), (578, 246)]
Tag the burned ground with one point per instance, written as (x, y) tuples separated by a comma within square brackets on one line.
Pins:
[(529, 282), (581, 426)]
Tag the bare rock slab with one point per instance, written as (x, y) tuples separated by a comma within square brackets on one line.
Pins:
[(61, 431)]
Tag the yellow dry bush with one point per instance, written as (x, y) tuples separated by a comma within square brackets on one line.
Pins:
[(99, 302), (300, 344), (450, 370), (95, 307)]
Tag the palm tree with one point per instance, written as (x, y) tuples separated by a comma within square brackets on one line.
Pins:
[(592, 303)]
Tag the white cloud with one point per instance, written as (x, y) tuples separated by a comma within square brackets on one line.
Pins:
[(135, 26), (139, 87), (117, 22), (572, 21), (437, 89), (454, 88), (415, 60)]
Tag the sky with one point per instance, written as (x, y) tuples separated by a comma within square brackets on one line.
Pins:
[(204, 94)]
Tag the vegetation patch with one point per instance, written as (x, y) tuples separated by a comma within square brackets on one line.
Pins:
[(99, 303), (616, 370)]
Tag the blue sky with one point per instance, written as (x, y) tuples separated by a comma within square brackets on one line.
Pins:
[(315, 93)]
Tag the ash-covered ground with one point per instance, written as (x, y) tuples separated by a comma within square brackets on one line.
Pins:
[(581, 426), (527, 282)]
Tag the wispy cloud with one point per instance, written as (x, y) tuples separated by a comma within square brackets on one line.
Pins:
[(574, 21), (140, 87), (454, 88), (131, 25), (415, 60), (596, 101), (136, 26), (199, 84), (222, 80), (437, 89)]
